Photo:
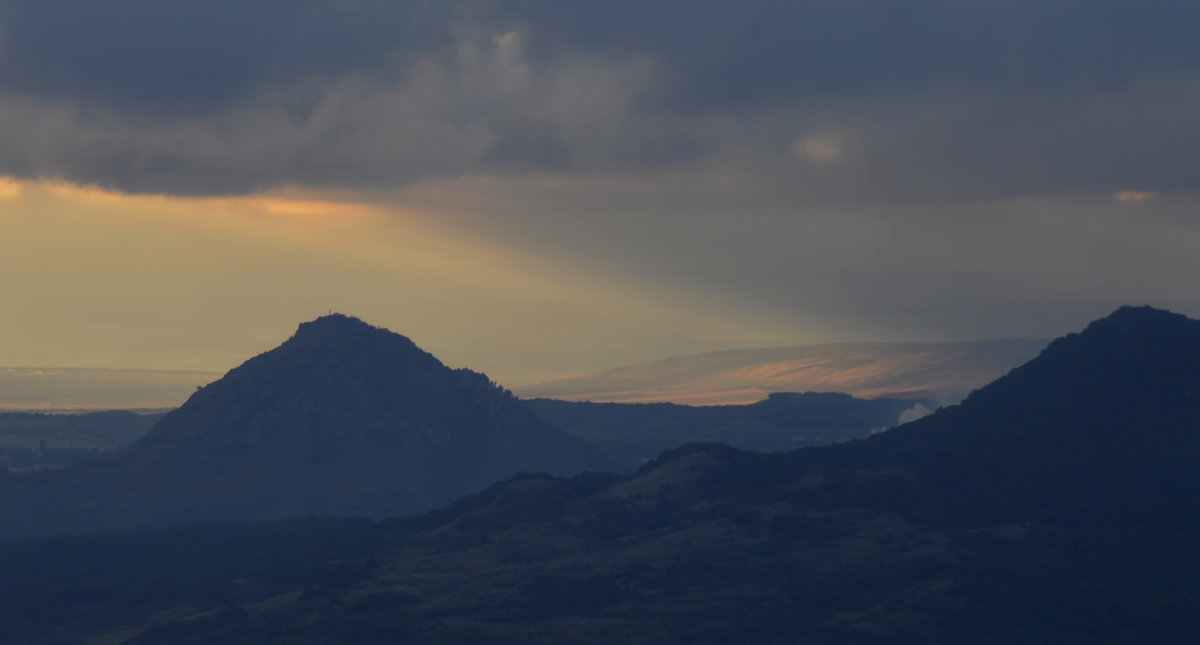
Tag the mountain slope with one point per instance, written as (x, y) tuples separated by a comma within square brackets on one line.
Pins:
[(1036, 511), (1057, 504), (342, 419), (1102, 424)]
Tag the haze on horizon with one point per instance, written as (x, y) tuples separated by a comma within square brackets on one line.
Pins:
[(542, 189)]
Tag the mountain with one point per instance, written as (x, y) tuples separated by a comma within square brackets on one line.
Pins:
[(628, 434), (632, 433), (941, 371), (1057, 504), (1102, 423), (342, 419)]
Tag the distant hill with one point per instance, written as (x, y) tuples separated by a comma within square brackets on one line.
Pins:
[(1058, 504), (1103, 424), (342, 419), (632, 433), (36, 440), (944, 372), (629, 434)]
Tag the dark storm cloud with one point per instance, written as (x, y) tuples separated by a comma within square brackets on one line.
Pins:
[(816, 100), (161, 58), (720, 54)]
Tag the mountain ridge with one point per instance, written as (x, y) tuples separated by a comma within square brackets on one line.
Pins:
[(1024, 514), (342, 419)]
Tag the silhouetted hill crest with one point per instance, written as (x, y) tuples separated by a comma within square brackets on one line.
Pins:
[(1103, 423), (339, 333), (342, 419), (333, 366), (1119, 366), (1102, 426)]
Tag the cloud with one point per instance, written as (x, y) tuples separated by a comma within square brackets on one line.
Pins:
[(9, 189), (860, 169), (483, 109), (945, 99), (912, 414), (1133, 196), (164, 60), (917, 411), (818, 149)]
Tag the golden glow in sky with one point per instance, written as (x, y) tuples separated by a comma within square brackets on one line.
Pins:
[(9, 189), (1134, 196), (93, 278)]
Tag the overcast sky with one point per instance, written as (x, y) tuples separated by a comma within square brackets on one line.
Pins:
[(542, 188)]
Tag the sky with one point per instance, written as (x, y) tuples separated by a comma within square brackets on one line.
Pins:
[(536, 189)]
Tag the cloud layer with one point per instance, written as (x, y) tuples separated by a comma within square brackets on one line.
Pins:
[(817, 101)]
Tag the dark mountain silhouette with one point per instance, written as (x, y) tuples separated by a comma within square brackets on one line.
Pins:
[(1057, 504), (632, 433), (1102, 424), (342, 419), (628, 434)]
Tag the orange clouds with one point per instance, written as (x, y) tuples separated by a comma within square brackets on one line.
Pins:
[(818, 149), (9, 189), (1134, 196), (263, 204)]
